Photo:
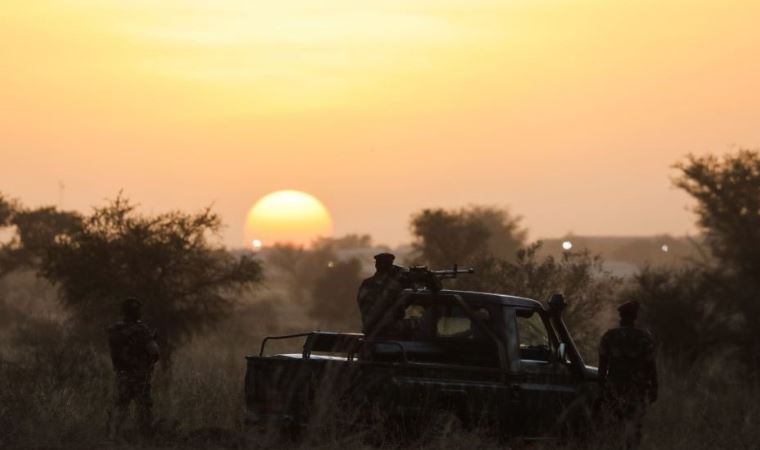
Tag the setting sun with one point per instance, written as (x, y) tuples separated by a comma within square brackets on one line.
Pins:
[(288, 217)]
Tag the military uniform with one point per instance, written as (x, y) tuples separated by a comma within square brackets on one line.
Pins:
[(133, 353), (377, 295), (628, 375)]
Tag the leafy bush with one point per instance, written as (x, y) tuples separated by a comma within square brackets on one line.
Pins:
[(679, 306), (445, 237), (581, 277), (333, 302), (186, 283)]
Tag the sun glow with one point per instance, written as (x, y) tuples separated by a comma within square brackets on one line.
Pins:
[(287, 217), (206, 96)]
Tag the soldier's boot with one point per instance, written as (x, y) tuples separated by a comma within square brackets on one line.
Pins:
[(632, 434), (116, 417), (145, 419)]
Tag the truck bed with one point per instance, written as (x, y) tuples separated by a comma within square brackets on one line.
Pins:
[(289, 388)]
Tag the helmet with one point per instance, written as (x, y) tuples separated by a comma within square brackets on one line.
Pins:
[(131, 308), (385, 258), (629, 310)]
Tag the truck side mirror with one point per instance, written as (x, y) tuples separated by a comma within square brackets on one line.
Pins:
[(562, 352)]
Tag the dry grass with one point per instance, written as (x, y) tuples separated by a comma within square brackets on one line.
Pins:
[(55, 391), (706, 407)]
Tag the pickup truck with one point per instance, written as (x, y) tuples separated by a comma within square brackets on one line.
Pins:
[(486, 359)]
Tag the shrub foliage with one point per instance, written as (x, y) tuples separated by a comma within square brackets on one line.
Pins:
[(166, 260)]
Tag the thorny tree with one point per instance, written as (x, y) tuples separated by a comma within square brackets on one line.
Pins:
[(186, 283)]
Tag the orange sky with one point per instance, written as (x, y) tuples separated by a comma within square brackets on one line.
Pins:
[(569, 112)]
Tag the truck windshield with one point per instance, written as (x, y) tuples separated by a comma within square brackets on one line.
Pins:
[(455, 323)]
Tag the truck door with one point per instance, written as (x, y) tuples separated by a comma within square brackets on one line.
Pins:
[(543, 383)]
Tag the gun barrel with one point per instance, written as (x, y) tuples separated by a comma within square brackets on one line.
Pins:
[(451, 273)]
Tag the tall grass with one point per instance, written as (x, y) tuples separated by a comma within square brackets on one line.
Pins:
[(200, 401), (55, 391)]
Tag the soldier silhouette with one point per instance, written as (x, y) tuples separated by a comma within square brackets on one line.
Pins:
[(628, 373), (134, 352), (378, 293)]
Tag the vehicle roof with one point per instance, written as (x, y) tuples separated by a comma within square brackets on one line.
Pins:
[(499, 299)]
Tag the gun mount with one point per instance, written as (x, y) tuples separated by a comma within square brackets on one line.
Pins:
[(431, 279)]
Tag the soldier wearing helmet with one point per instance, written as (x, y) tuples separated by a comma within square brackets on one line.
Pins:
[(134, 352), (628, 373)]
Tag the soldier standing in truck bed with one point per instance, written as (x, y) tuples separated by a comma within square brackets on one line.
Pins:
[(134, 352), (628, 373), (378, 293)]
